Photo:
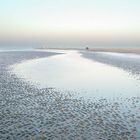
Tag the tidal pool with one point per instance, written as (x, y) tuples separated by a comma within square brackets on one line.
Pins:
[(69, 71), (113, 109)]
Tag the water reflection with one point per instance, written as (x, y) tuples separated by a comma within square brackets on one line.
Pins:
[(70, 71)]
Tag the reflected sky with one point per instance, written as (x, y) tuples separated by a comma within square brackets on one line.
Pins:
[(70, 71)]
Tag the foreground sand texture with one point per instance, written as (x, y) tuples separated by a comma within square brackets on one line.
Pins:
[(27, 112)]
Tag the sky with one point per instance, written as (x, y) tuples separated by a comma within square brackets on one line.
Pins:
[(105, 21)]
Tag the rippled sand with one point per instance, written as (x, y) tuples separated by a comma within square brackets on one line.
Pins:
[(27, 112)]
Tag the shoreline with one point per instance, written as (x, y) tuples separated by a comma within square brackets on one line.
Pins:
[(117, 50)]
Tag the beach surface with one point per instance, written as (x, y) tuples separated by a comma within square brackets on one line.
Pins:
[(119, 50), (88, 73), (29, 112)]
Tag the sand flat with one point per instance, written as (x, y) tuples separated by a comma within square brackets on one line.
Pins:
[(119, 50), (27, 112)]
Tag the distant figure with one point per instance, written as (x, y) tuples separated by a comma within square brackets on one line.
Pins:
[(87, 48)]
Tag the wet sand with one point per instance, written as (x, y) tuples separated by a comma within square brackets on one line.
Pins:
[(27, 112), (119, 50), (123, 59)]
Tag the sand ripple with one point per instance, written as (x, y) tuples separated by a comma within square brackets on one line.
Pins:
[(30, 113)]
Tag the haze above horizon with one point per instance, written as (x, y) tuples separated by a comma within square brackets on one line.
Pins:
[(105, 21)]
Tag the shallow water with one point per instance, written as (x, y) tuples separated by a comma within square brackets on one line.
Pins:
[(69, 71), (112, 113)]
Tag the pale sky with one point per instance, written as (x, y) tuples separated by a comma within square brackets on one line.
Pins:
[(90, 20)]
